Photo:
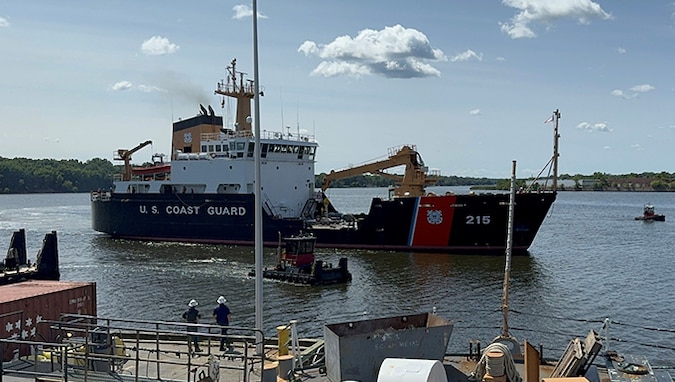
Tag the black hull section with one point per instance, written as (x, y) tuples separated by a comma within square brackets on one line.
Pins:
[(458, 224), (195, 218)]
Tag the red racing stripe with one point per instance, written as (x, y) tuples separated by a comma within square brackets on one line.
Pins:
[(434, 221)]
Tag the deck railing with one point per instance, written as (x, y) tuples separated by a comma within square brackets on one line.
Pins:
[(92, 348)]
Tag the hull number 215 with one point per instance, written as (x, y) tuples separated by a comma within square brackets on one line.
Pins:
[(480, 219)]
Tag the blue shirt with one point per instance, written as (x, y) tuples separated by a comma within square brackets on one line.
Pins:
[(221, 312)]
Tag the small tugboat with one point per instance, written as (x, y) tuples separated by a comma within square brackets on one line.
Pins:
[(649, 214), (297, 264)]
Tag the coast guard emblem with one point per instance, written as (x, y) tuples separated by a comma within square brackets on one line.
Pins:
[(435, 216)]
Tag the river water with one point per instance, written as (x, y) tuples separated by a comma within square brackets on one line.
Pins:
[(590, 261)]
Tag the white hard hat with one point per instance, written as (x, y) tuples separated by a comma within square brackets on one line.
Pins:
[(221, 300), (192, 303)]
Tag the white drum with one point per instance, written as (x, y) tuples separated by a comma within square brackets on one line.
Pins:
[(411, 370)]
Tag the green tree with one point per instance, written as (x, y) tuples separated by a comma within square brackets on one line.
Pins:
[(659, 185)]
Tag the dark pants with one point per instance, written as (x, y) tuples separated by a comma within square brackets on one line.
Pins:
[(195, 338), (223, 340)]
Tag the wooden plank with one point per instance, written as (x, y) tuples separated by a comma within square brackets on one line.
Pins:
[(532, 362)]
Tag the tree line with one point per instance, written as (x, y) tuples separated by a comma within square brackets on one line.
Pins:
[(23, 175), (379, 181), (599, 181)]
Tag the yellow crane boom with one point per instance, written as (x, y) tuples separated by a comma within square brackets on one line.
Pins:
[(125, 155), (411, 183)]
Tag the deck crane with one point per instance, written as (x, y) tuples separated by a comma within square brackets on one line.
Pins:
[(125, 155), (411, 183)]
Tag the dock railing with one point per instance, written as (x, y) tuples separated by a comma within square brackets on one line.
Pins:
[(87, 348)]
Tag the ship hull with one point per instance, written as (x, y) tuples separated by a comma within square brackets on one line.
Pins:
[(194, 218), (458, 224)]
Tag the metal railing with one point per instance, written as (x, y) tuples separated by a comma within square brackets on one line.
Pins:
[(87, 348)]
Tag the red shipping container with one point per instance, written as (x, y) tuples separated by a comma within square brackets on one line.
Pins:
[(24, 305)]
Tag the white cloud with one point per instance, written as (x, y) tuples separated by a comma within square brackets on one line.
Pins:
[(393, 52), (150, 89), (338, 68), (122, 85), (242, 11), (126, 85), (466, 56), (158, 45), (475, 112), (621, 93), (621, 50), (592, 127), (644, 88), (547, 11), (500, 59), (4, 23), (309, 48)]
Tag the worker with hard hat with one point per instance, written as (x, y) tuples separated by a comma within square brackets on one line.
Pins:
[(222, 315), (192, 316)]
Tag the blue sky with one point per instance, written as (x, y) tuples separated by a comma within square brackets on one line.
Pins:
[(470, 83)]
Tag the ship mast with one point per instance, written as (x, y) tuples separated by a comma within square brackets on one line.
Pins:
[(243, 92), (556, 138), (509, 248), (505, 337)]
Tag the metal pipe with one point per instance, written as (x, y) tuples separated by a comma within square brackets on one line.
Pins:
[(258, 200), (509, 248), (556, 138)]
